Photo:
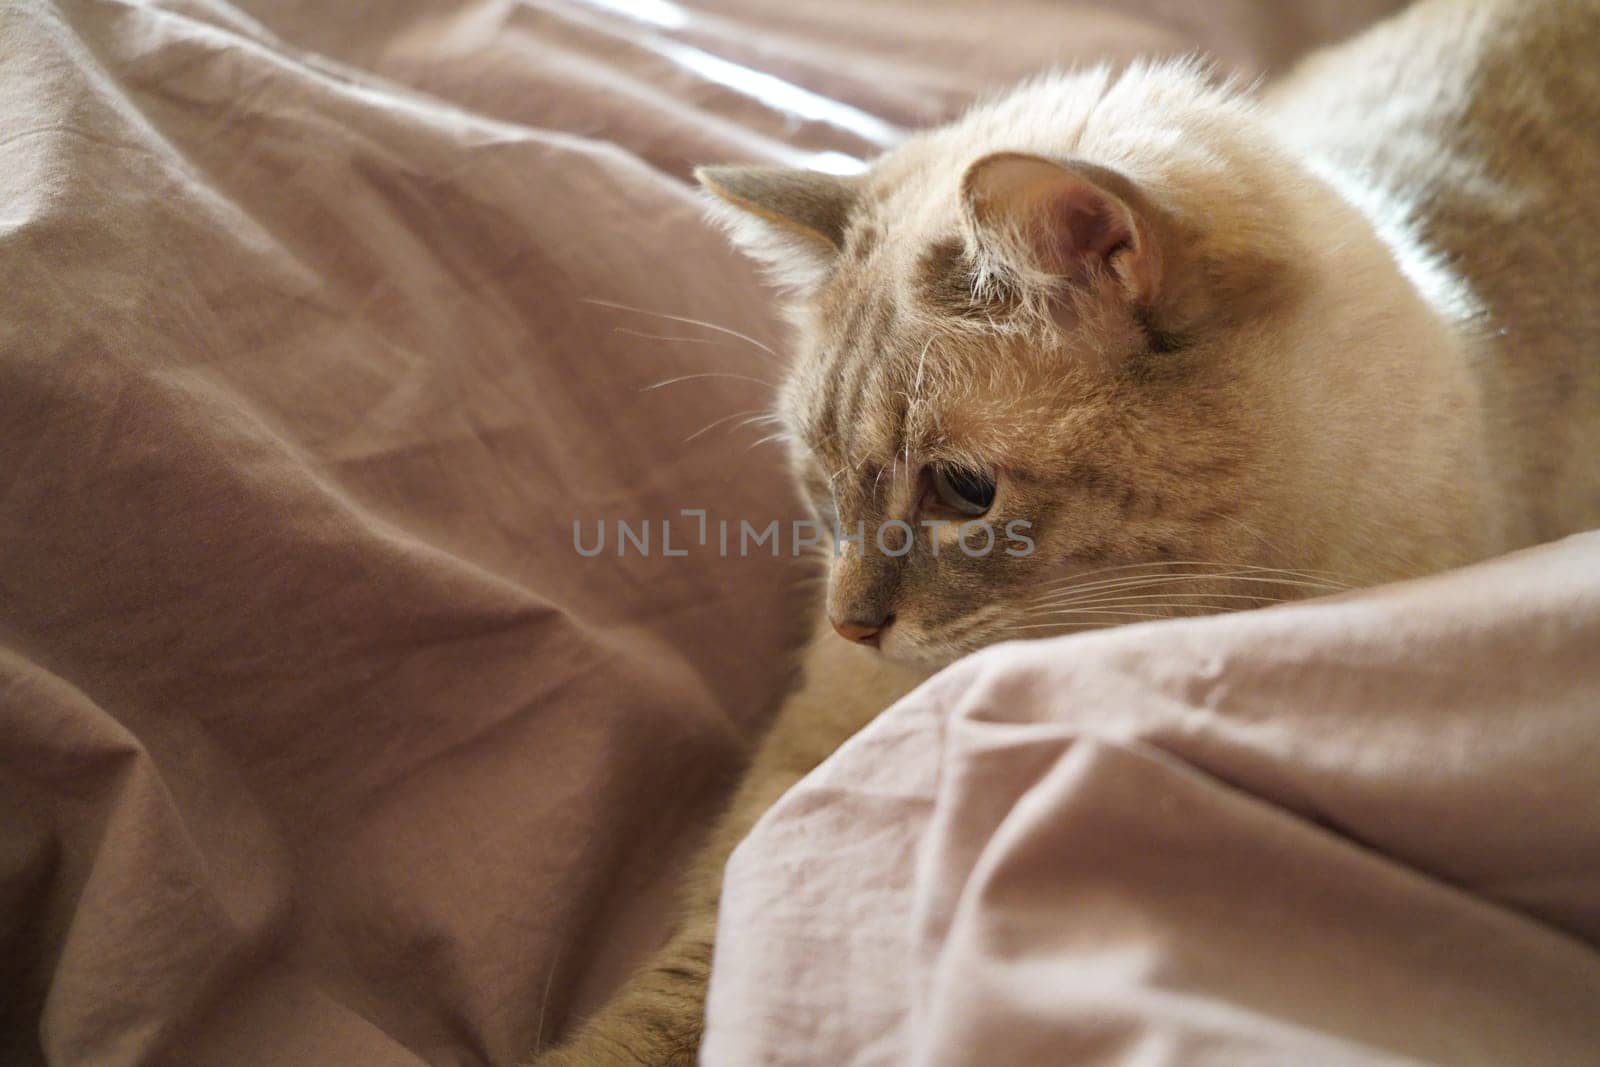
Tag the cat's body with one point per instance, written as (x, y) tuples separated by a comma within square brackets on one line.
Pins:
[(1497, 161), (1347, 335)]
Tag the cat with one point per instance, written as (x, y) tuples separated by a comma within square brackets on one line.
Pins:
[(1216, 348)]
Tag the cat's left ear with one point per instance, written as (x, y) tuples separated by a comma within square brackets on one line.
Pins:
[(1085, 226), (791, 220)]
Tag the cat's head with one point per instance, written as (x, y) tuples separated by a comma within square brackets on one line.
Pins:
[(1101, 350)]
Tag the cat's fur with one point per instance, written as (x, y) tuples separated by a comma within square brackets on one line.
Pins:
[(1351, 329)]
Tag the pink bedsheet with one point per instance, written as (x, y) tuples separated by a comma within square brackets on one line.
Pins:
[(1356, 831)]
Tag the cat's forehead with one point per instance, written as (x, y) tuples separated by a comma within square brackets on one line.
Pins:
[(883, 293), (847, 391), (882, 373)]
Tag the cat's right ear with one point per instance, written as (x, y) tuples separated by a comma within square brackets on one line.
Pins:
[(1084, 227), (792, 221)]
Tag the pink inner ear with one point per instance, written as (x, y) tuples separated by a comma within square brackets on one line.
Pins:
[(1074, 227), (1085, 224)]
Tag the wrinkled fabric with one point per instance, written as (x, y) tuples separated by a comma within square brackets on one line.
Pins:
[(320, 325), (1356, 831)]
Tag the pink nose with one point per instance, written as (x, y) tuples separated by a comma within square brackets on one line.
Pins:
[(861, 633)]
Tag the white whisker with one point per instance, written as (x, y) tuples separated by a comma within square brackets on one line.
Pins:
[(1166, 598), (706, 374), (1056, 612), (1141, 615), (544, 1001), (1194, 563), (668, 337), (1076, 582), (1182, 576), (782, 435), (1072, 594), (713, 424), (684, 319), (1299, 572)]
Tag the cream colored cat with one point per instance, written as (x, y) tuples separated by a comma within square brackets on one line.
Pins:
[(1214, 351)]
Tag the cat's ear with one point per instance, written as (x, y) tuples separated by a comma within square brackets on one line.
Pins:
[(791, 220), (1072, 224)]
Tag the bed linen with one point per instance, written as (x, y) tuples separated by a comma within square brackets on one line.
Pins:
[(320, 327), (1354, 831)]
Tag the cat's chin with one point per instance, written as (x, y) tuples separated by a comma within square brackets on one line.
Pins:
[(913, 655)]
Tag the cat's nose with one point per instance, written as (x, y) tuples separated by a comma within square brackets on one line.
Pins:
[(861, 632)]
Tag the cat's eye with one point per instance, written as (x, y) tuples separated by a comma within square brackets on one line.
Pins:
[(967, 492)]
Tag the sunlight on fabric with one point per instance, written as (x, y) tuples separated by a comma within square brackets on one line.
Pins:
[(781, 95), (772, 91), (656, 12), (836, 163)]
